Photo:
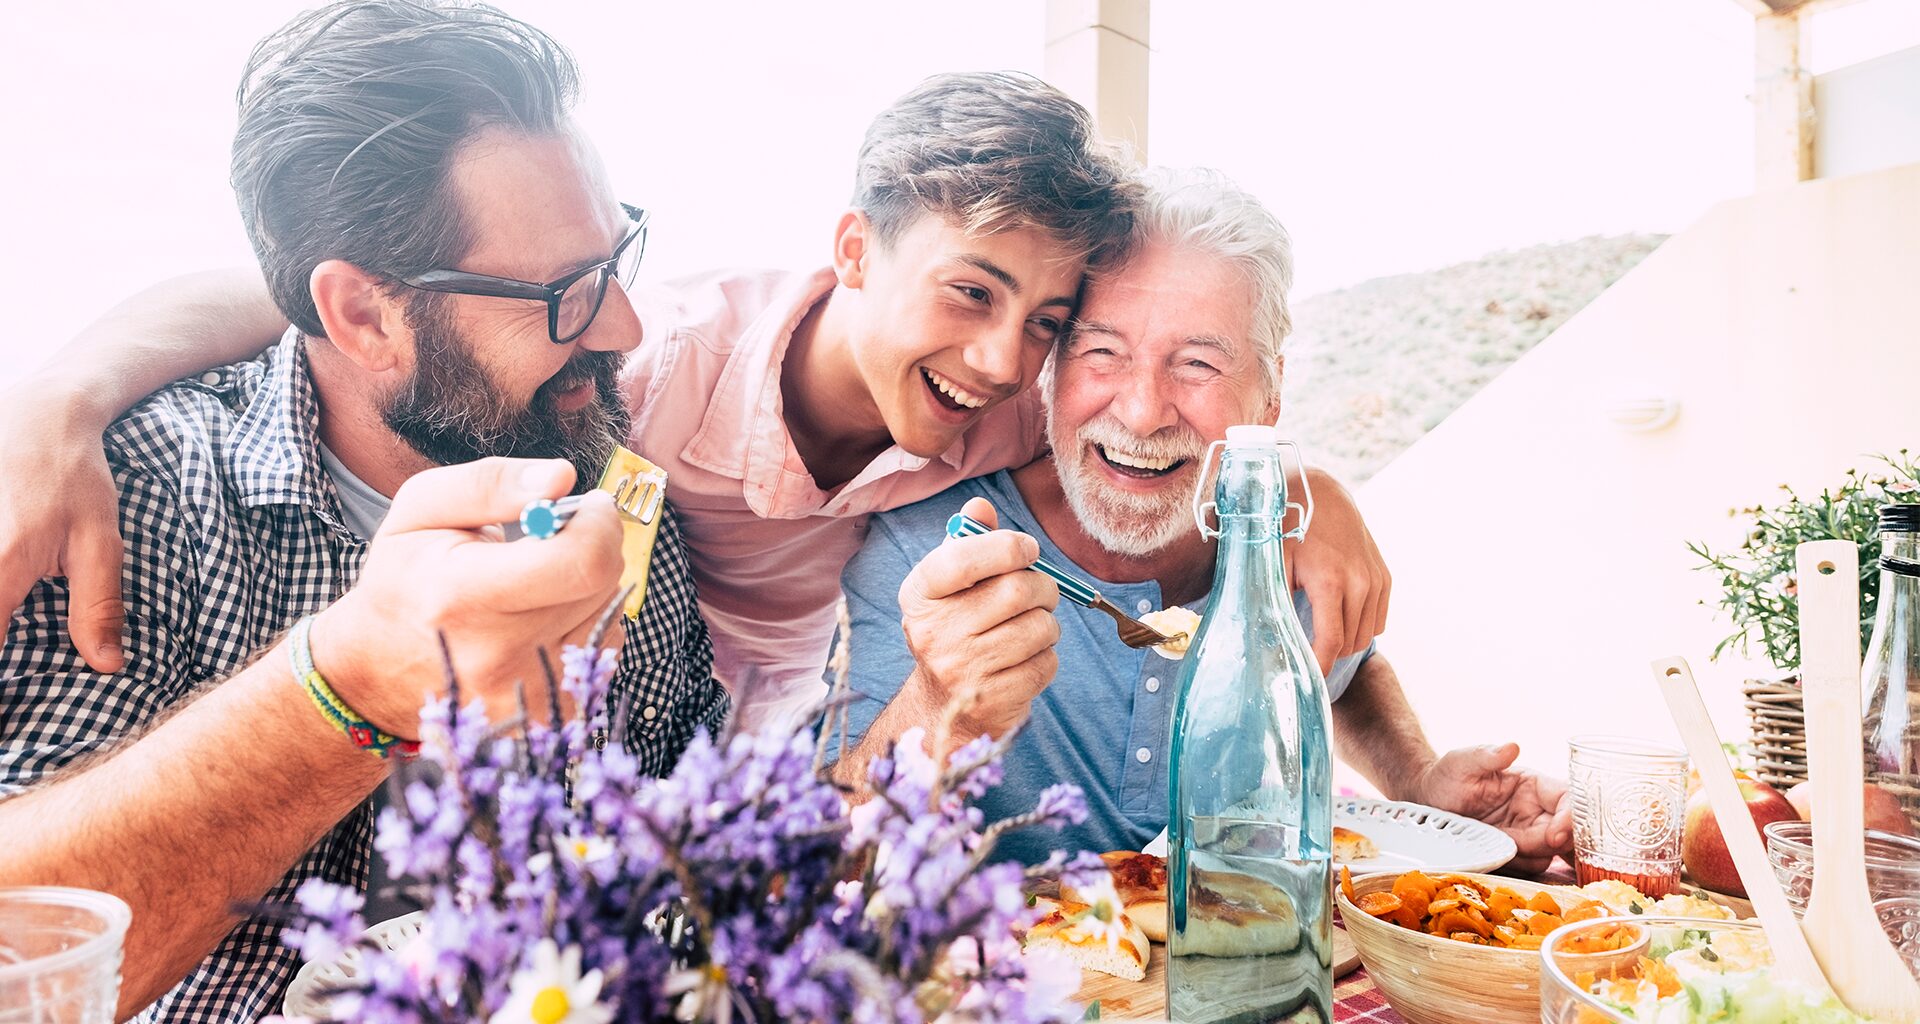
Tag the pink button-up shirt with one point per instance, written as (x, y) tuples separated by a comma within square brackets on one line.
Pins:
[(766, 544)]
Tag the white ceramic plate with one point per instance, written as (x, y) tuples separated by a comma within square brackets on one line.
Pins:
[(1417, 836), (1411, 836), (303, 997)]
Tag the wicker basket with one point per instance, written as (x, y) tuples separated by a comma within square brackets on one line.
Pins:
[(1779, 725)]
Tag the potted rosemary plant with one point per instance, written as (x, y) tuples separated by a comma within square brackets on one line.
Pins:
[(1759, 594)]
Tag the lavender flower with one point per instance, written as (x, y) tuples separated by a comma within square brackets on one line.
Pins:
[(559, 880)]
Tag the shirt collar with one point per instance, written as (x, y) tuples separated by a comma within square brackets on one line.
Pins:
[(274, 455), (744, 432)]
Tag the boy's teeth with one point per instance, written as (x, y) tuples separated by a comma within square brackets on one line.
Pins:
[(1137, 461), (954, 391)]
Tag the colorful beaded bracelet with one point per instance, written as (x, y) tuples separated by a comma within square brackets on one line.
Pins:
[(363, 733)]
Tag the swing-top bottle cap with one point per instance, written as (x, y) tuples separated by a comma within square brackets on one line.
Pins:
[(1253, 435)]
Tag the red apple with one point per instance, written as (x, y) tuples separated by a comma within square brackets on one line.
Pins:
[(1882, 808), (1703, 851)]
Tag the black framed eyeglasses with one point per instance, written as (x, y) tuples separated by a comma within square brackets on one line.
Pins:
[(572, 301)]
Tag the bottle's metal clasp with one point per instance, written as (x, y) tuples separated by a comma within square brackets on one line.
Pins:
[(1306, 490), (1201, 504), (1200, 491)]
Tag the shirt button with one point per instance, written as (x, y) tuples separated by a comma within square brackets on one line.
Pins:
[(1153, 684), (1144, 606), (650, 713), (210, 378), (1143, 755)]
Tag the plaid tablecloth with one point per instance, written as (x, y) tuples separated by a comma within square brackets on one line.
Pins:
[(1356, 999)]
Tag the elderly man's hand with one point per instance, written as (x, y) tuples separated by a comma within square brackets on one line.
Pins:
[(980, 626), (1342, 572), (439, 566), (1481, 782)]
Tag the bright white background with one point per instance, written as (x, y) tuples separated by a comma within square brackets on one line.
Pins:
[(1391, 136)]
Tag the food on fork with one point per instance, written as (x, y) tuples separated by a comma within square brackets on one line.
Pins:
[(1096, 937), (1180, 623), (1349, 846), (1140, 880)]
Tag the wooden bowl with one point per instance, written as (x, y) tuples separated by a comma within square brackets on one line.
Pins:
[(1434, 980)]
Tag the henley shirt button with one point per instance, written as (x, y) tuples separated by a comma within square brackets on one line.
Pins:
[(1144, 606), (210, 378), (1153, 684), (1143, 755), (649, 712)]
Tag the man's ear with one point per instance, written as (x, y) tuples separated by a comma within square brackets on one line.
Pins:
[(852, 247), (365, 323), (1272, 414)]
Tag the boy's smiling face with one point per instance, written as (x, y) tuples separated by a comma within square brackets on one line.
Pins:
[(952, 323)]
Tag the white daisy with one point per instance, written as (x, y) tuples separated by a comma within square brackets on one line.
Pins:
[(578, 850), (553, 991), (1103, 914)]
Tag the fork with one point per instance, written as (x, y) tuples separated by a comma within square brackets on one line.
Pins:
[(1133, 632), (544, 517)]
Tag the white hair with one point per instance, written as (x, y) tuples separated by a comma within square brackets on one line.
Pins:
[(1203, 210)]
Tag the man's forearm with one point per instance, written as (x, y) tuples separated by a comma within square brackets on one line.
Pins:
[(1376, 731), (209, 809), (910, 708), (166, 332)]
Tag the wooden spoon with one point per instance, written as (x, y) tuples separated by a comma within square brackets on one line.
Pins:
[(1840, 923), (1792, 958)]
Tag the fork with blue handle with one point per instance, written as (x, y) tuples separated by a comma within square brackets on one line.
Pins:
[(1133, 632)]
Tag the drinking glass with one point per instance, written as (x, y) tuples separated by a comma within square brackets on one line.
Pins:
[(60, 955), (1629, 801)]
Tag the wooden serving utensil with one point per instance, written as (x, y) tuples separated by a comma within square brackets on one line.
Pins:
[(1793, 959), (1840, 923)]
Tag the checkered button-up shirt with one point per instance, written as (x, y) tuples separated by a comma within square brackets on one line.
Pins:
[(233, 532)]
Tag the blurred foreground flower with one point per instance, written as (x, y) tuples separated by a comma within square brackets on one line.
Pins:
[(560, 886)]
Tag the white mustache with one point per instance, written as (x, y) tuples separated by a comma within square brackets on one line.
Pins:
[(1171, 443)]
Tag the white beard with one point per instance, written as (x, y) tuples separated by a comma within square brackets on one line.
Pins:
[(1125, 523)]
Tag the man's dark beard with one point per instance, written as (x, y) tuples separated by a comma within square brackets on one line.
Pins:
[(451, 412)]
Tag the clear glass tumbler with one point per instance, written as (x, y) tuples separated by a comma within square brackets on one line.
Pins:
[(60, 955), (1629, 802)]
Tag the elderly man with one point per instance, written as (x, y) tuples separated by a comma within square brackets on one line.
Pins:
[(1166, 353), (404, 171)]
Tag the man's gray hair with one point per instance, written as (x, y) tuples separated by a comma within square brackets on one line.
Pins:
[(1205, 211)]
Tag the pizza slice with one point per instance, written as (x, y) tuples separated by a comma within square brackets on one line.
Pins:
[(1140, 880), (1113, 946)]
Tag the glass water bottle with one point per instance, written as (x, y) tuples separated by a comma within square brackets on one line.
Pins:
[(1890, 676), (1250, 831)]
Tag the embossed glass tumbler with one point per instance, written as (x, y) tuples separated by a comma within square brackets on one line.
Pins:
[(60, 955), (1629, 802)]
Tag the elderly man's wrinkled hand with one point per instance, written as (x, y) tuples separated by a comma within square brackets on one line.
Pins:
[(439, 566), (59, 516), (980, 626), (1481, 782)]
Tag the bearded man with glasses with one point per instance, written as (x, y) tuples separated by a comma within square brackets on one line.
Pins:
[(305, 527)]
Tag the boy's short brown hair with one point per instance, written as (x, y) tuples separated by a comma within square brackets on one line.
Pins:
[(993, 151)]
